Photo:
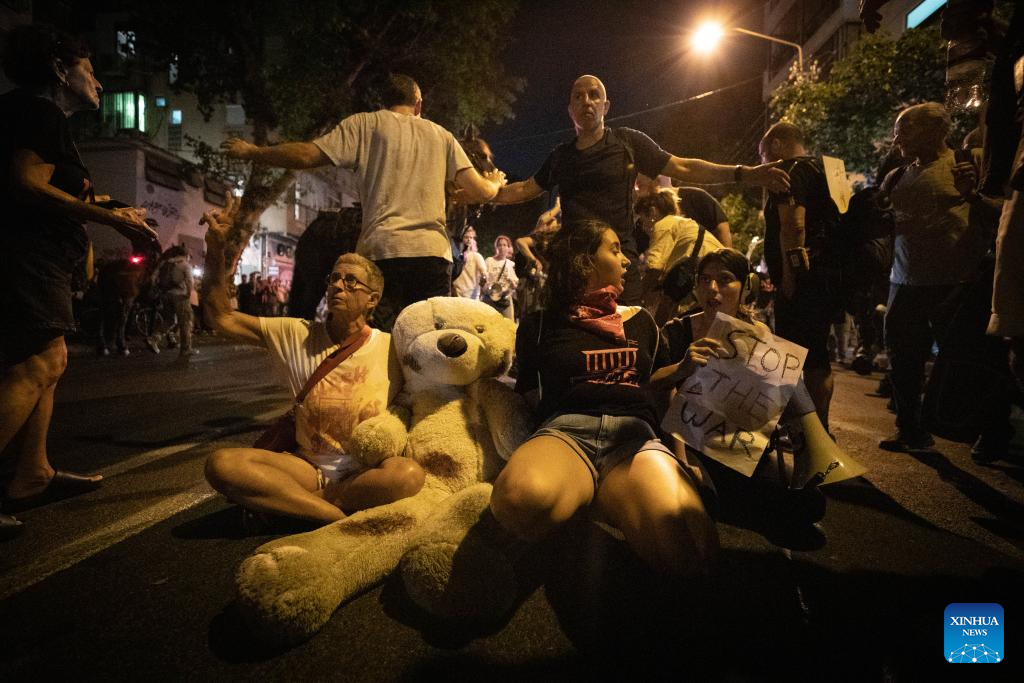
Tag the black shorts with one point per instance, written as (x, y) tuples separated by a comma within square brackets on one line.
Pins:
[(807, 318), (35, 278)]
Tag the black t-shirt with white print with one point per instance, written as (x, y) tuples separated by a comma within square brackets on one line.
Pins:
[(579, 372)]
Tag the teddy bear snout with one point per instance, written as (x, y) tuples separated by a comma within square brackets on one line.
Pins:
[(452, 345)]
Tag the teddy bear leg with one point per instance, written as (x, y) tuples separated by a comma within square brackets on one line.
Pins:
[(289, 588), (459, 565)]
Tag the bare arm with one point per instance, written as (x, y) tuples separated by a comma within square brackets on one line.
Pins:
[(700, 171), (724, 234), (216, 305), (525, 246), (293, 155), (514, 193), (475, 188), (30, 181)]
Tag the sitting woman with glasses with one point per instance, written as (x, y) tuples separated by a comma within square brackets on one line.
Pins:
[(341, 372)]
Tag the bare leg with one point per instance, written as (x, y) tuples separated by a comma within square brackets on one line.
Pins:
[(277, 483), (543, 485), (660, 513), (820, 385), (26, 405), (393, 479)]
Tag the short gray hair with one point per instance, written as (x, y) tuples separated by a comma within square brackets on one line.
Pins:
[(374, 278), (930, 115)]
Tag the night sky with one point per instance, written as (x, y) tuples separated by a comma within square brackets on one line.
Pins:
[(640, 51)]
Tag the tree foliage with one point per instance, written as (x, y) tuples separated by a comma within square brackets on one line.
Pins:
[(298, 69), (745, 221), (851, 113)]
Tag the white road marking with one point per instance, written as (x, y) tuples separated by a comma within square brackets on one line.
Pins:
[(98, 540)]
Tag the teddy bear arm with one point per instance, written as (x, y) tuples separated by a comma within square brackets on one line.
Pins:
[(506, 414), (382, 436)]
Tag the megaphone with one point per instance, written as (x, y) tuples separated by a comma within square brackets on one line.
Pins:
[(818, 461)]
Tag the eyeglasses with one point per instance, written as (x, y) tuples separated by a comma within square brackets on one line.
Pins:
[(349, 280)]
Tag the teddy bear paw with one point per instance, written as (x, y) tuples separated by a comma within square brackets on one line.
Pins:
[(286, 594)]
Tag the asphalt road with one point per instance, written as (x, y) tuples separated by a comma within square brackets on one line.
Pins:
[(135, 580)]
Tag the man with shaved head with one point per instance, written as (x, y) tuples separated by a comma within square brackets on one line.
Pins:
[(595, 173)]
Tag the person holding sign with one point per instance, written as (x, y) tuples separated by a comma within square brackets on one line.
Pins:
[(594, 369), (737, 417)]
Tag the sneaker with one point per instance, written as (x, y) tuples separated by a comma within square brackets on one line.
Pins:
[(152, 345), (903, 442), (125, 352), (103, 351)]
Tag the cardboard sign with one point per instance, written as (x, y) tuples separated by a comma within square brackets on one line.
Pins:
[(729, 408), (838, 183)]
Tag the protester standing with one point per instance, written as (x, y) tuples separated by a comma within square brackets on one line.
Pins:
[(47, 196), (401, 163)]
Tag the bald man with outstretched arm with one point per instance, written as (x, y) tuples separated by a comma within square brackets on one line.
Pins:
[(595, 173)]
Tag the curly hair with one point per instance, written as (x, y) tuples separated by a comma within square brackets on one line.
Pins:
[(570, 262), (31, 50), (665, 201)]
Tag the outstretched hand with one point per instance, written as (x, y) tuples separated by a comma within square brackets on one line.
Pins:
[(219, 222), (769, 176), (237, 148), (130, 221)]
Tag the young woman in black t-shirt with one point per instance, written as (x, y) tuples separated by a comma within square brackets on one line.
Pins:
[(596, 370), (46, 195)]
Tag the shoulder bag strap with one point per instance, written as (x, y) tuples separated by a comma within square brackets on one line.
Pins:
[(348, 347), (696, 246)]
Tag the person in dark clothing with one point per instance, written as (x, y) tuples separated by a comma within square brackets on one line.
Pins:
[(595, 173), (47, 195), (797, 224), (595, 369), (699, 205)]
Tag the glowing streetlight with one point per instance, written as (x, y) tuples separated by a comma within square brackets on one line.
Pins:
[(709, 34), (706, 38)]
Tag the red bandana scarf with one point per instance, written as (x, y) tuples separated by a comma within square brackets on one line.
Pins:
[(597, 314)]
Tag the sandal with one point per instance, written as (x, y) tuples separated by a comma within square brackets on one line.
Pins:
[(62, 485), (9, 527)]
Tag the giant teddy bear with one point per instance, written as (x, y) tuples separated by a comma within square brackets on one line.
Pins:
[(459, 423)]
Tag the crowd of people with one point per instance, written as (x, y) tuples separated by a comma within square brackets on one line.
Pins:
[(614, 291)]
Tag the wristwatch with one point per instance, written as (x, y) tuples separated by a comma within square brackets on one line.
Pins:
[(797, 258)]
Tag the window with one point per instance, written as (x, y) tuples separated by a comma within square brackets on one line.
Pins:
[(124, 110), (125, 44), (174, 130), (160, 102), (920, 14)]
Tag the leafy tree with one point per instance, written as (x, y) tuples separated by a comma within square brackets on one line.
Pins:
[(299, 69), (745, 221), (851, 113)]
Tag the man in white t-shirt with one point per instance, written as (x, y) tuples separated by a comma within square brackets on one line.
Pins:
[(321, 481), (401, 163)]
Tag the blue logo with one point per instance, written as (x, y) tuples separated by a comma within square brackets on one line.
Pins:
[(973, 633)]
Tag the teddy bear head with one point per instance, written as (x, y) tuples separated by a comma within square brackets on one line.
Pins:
[(452, 341)]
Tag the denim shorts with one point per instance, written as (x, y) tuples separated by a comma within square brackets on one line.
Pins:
[(603, 441)]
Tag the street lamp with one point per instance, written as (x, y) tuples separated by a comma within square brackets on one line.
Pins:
[(708, 35)]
